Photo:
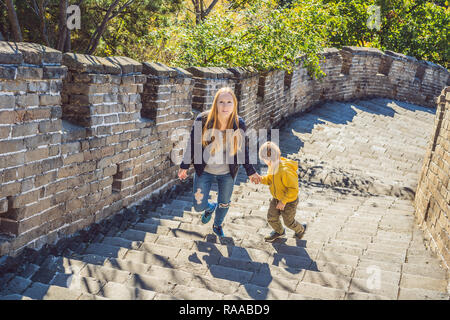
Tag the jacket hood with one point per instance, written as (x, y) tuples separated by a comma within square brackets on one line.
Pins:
[(286, 165), (289, 164)]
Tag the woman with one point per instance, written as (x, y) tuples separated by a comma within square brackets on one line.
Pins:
[(216, 134)]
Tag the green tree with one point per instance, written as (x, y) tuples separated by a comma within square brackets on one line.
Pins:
[(263, 35), (414, 27)]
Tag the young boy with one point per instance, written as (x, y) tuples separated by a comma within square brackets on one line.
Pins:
[(282, 179)]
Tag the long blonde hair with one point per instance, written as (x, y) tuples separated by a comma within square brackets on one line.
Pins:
[(213, 118)]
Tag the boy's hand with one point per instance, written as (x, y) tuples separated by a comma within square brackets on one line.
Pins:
[(182, 174), (255, 178), (280, 205)]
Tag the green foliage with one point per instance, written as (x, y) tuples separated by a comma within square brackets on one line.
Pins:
[(263, 35), (413, 27), (418, 29), (141, 33)]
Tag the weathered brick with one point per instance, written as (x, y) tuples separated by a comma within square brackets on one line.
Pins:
[(25, 129), (11, 145), (5, 132), (8, 72), (9, 175), (50, 126), (7, 101), (37, 154), (8, 117), (15, 86), (29, 73), (12, 160), (46, 99), (37, 114), (54, 72), (18, 201), (9, 189), (44, 179), (38, 86), (27, 100)]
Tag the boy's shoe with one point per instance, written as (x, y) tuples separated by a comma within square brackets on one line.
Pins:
[(274, 235), (219, 231), (300, 234), (206, 216)]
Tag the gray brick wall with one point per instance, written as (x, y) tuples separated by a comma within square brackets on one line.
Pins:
[(432, 200)]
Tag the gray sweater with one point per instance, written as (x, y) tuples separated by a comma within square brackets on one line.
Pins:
[(217, 163)]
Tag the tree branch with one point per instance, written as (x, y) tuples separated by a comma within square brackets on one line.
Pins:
[(215, 53), (197, 11), (211, 6), (42, 5), (202, 12), (121, 9), (62, 24), (34, 7), (14, 21), (93, 43)]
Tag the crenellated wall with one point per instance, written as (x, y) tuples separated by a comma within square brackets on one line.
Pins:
[(82, 137), (432, 200)]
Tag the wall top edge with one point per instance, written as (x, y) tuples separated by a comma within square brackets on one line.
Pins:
[(363, 50), (161, 70), (325, 52), (25, 53), (243, 73), (84, 63), (28, 53), (210, 72)]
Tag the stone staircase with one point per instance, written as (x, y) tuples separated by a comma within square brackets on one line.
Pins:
[(359, 163)]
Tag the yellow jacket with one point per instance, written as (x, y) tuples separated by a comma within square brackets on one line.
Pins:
[(284, 184)]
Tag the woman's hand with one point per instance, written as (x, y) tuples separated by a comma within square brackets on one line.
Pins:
[(182, 174), (255, 178)]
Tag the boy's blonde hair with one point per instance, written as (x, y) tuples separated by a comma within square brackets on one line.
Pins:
[(269, 151)]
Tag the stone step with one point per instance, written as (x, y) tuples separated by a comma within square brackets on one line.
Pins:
[(227, 255), (223, 262), (105, 280), (117, 291), (15, 297), (40, 291), (422, 294), (352, 295), (410, 281), (15, 286), (424, 270), (374, 286), (319, 292)]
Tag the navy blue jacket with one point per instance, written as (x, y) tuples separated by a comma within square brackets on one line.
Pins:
[(188, 157)]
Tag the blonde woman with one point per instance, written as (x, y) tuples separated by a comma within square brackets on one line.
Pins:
[(216, 146)]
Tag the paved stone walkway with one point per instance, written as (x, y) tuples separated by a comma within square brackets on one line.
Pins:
[(360, 164)]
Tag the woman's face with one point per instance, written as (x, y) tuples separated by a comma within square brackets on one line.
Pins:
[(225, 105)]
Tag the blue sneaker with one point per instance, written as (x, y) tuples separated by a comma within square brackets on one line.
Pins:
[(218, 230), (206, 216)]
